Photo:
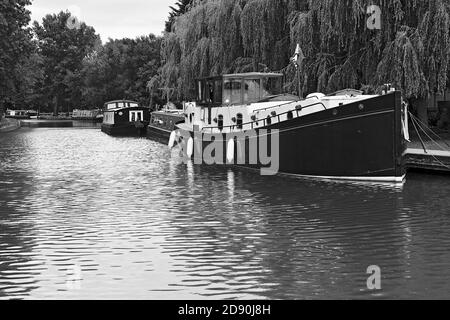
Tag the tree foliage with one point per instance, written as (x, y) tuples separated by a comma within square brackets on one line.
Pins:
[(121, 69), (182, 6), (67, 67), (15, 47), (63, 50), (411, 50)]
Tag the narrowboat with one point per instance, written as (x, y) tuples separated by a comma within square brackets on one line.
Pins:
[(125, 118), (246, 120), (162, 123), (21, 114), (91, 115)]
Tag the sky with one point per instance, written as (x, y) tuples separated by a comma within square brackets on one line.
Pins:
[(114, 19)]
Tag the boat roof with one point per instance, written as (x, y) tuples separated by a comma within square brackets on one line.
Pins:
[(245, 75), (126, 108), (175, 112), (21, 110), (116, 101)]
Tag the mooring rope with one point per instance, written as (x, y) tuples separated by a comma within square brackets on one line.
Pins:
[(423, 144), (424, 127)]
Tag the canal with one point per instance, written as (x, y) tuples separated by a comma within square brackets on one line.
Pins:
[(87, 216)]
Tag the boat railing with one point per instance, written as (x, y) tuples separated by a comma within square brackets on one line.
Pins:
[(251, 125)]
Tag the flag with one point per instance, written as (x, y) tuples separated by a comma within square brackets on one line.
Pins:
[(298, 57)]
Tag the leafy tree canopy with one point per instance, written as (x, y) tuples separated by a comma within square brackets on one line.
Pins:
[(411, 50)]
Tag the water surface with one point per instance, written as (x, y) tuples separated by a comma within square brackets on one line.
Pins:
[(88, 216)]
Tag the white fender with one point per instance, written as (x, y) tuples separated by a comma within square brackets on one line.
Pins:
[(405, 122), (230, 150), (240, 151), (173, 136), (190, 147)]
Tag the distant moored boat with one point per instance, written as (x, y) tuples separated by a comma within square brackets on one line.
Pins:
[(125, 118), (163, 123)]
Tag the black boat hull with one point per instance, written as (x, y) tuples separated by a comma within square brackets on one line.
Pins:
[(358, 141), (124, 130)]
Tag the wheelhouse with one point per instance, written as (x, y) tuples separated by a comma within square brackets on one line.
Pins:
[(238, 89)]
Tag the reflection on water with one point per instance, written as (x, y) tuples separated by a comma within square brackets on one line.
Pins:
[(85, 215)]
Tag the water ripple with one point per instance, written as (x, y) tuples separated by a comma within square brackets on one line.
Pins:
[(85, 215)]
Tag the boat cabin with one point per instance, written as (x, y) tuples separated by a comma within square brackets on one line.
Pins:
[(239, 102), (238, 89), (124, 111), (166, 120)]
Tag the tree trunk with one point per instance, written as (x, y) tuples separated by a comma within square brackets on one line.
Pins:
[(1, 110), (55, 107), (151, 99)]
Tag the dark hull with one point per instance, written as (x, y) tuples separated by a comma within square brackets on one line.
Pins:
[(158, 134), (124, 130), (363, 141), (18, 117)]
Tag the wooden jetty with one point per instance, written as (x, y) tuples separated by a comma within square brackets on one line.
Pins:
[(431, 161)]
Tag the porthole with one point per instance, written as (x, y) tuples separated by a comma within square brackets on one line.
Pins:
[(290, 115)]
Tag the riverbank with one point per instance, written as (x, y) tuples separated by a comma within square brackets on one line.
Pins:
[(7, 125)]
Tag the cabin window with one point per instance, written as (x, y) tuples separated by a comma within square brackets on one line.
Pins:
[(252, 90), (232, 92), (203, 115), (239, 120), (210, 91), (271, 86), (109, 118), (220, 122), (136, 116), (218, 91)]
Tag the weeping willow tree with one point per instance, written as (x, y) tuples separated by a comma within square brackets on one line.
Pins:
[(411, 50)]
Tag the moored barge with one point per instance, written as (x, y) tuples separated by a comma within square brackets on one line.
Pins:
[(345, 136), (163, 123), (125, 118)]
